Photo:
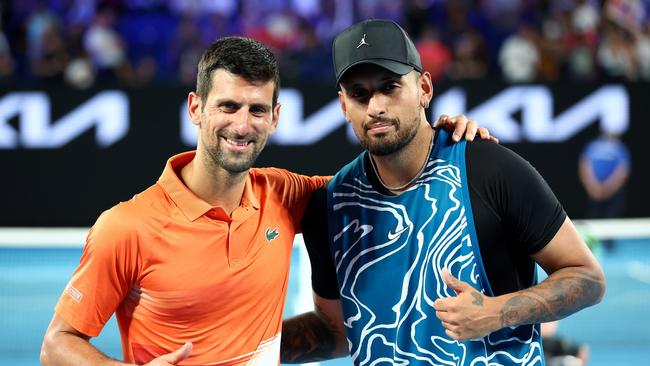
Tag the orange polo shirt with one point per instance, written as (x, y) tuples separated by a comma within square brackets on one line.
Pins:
[(175, 269)]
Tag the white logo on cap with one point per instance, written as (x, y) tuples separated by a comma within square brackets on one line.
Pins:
[(363, 41)]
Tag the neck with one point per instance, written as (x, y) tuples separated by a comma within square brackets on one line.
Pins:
[(213, 184), (405, 165)]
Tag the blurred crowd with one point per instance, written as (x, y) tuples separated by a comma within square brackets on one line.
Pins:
[(135, 42)]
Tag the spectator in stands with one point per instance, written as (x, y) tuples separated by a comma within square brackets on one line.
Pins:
[(579, 39), (642, 46), (185, 49), (604, 170), (519, 56), (51, 60), (435, 55), (105, 46)]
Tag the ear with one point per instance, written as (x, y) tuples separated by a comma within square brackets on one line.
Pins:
[(275, 118), (194, 105), (343, 107), (426, 89)]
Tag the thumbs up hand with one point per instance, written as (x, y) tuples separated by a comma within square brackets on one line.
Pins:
[(469, 314)]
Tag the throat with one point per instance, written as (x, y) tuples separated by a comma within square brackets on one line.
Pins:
[(398, 174)]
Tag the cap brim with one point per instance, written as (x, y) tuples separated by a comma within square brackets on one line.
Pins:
[(390, 65)]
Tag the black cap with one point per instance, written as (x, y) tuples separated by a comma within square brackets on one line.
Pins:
[(375, 41)]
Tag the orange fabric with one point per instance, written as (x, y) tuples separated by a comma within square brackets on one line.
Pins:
[(175, 269)]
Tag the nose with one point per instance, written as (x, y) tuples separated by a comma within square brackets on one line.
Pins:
[(241, 121), (376, 105)]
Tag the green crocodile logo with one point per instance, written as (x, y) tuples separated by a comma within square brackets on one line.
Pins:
[(271, 234)]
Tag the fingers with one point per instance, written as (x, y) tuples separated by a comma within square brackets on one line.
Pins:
[(484, 133), (441, 121), (447, 319), (453, 335), (178, 355), (448, 279), (460, 127), (457, 125), (455, 284), (471, 130), (440, 305)]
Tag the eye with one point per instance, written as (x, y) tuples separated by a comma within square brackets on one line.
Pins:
[(258, 111), (358, 93), (229, 107), (389, 87)]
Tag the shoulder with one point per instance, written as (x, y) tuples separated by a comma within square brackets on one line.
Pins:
[(288, 186), (490, 156), (351, 170), (126, 221)]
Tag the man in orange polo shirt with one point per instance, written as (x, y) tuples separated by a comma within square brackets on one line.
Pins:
[(196, 266)]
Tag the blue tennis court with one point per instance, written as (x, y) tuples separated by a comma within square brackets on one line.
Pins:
[(31, 279)]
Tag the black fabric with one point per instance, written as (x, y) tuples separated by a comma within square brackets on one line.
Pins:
[(515, 213)]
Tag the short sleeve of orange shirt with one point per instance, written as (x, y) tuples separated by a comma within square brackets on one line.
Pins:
[(175, 269)]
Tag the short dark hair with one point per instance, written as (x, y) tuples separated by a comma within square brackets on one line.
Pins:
[(244, 57)]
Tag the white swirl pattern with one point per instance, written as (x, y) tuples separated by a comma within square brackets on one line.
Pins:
[(389, 253)]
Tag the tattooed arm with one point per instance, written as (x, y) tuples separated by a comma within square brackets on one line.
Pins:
[(314, 336), (575, 281)]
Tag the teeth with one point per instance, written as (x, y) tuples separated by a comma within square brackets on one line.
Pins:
[(238, 143)]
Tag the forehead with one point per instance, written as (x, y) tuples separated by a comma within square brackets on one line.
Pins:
[(226, 85)]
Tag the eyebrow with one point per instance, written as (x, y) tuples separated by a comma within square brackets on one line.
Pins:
[(220, 102)]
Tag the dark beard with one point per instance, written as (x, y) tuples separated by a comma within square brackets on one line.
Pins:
[(381, 147)]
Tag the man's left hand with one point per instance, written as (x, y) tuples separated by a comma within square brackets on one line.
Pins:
[(468, 315), (460, 125)]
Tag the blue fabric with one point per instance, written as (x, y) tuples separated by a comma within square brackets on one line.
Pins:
[(605, 155), (389, 252)]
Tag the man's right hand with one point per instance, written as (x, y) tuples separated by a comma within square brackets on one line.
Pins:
[(172, 358)]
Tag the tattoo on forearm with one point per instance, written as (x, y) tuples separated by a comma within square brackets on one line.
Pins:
[(306, 338), (478, 298), (552, 299)]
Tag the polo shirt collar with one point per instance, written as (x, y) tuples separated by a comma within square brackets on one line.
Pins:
[(189, 203)]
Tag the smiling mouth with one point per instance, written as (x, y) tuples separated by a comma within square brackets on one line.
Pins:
[(237, 144)]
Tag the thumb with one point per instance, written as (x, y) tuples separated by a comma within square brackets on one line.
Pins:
[(457, 285), (178, 355)]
